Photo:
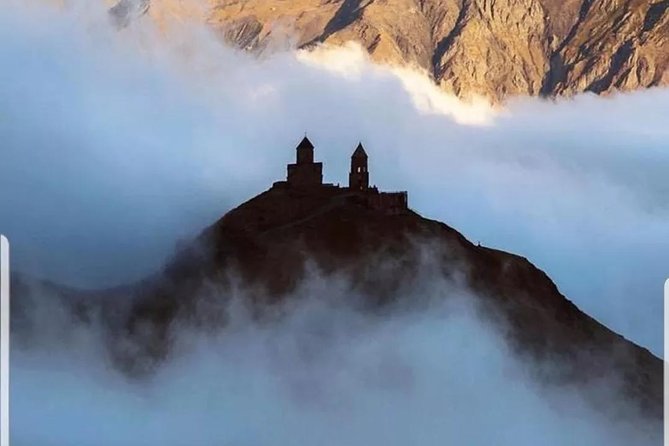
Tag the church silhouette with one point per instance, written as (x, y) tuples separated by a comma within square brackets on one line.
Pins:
[(306, 175)]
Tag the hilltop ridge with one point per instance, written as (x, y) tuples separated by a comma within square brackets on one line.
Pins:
[(380, 247), (268, 245)]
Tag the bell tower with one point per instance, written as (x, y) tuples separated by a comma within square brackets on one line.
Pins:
[(305, 173), (305, 152), (358, 178)]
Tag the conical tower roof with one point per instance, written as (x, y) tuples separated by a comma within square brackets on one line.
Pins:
[(359, 152), (305, 144)]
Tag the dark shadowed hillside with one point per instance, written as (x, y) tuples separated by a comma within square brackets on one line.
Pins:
[(381, 249)]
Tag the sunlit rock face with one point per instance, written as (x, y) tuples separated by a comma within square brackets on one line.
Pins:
[(470, 47)]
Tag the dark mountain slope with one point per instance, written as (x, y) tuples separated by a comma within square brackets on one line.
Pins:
[(269, 241), (387, 256)]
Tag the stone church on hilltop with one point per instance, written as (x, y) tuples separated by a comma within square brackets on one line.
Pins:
[(307, 176)]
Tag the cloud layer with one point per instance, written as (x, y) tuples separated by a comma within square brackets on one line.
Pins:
[(118, 144), (115, 145), (322, 373)]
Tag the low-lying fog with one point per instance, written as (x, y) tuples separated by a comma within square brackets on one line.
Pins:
[(118, 144), (320, 372)]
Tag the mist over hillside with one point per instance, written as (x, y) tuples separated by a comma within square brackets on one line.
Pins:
[(164, 147), (120, 145), (318, 371)]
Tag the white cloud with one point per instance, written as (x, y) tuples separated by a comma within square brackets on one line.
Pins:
[(116, 144), (321, 373), (351, 62)]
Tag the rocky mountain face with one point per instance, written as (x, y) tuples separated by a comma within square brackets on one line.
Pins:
[(492, 48)]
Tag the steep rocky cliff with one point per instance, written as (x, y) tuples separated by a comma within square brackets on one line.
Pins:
[(493, 48)]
